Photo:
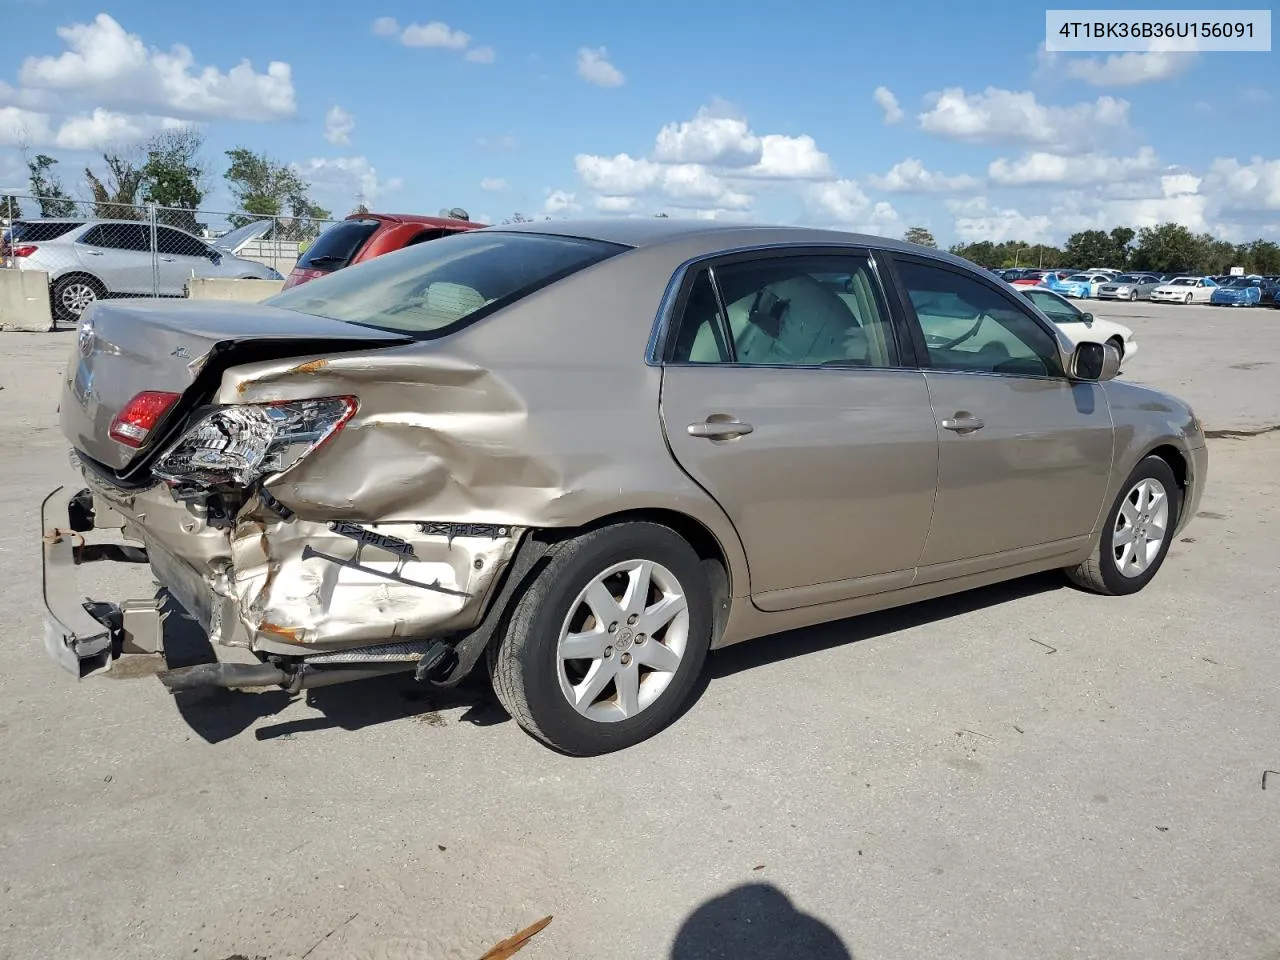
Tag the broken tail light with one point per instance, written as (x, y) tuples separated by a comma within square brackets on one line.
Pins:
[(237, 445), (133, 425)]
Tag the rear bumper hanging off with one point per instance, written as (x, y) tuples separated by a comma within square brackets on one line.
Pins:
[(83, 636)]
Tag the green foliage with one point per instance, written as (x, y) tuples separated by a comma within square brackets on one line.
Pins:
[(264, 187), (921, 236), (1011, 253), (174, 176), (10, 208), (46, 187)]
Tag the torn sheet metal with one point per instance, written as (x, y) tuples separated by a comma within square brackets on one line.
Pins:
[(328, 586)]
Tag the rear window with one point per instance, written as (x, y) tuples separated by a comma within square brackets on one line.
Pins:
[(34, 231), (433, 288), (334, 248)]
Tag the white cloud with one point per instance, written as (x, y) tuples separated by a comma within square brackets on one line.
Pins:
[(616, 204), (712, 136), (338, 125), (910, 176), (19, 127), (103, 129), (789, 158), (595, 68), (1051, 168), (681, 184), (561, 202), (887, 102), (1006, 116), (976, 220), (843, 204), (1246, 187), (434, 34), (493, 184), (620, 175), (116, 69), (336, 181), (1129, 69)]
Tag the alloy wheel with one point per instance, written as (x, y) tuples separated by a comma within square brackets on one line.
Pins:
[(622, 641), (1141, 527)]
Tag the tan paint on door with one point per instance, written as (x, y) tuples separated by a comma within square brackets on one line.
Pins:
[(834, 484), (1035, 473)]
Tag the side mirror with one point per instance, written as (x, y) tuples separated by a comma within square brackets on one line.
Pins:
[(1087, 317), (1095, 361), (215, 257)]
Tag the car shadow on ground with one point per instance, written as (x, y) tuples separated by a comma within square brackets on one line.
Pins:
[(756, 920), (799, 643), (216, 715)]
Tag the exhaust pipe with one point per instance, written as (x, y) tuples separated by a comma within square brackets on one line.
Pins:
[(303, 677)]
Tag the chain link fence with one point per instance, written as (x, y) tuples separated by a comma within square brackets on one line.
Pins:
[(96, 249)]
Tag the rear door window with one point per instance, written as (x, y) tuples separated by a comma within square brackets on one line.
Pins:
[(119, 236), (337, 246)]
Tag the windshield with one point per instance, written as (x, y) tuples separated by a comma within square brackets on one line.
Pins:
[(1241, 282), (336, 246), (1126, 278), (429, 289), (1081, 278), (1183, 282)]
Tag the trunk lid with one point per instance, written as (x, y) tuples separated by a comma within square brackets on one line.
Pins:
[(127, 346)]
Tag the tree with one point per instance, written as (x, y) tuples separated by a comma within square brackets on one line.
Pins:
[(518, 218), (1090, 248), (175, 176), (1261, 256), (921, 236), (266, 188), (117, 198), (10, 208), (360, 210), (1167, 248), (46, 187), (1121, 238), (662, 216)]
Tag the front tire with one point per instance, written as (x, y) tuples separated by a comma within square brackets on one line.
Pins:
[(1187, 298), (1133, 295), (1136, 535), (606, 645)]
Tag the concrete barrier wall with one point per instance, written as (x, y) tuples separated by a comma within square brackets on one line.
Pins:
[(251, 291), (24, 300)]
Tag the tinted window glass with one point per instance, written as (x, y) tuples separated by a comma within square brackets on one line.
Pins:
[(34, 232), (969, 326), (176, 243), (801, 311), (334, 248), (431, 288), (119, 236), (700, 335)]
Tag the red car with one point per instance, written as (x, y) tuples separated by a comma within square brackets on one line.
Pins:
[(363, 236)]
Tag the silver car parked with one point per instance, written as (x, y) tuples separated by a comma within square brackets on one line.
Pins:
[(1129, 286), (89, 260)]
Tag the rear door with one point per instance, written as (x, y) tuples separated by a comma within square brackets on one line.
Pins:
[(1025, 454), (789, 396), (118, 254), (180, 257)]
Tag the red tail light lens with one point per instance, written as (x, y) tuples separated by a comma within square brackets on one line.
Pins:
[(134, 423), (25, 251)]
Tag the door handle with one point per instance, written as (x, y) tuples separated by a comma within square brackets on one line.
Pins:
[(93, 253), (963, 423), (719, 429), (167, 259)]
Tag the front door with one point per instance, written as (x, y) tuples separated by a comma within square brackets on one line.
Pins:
[(1025, 453), (785, 398)]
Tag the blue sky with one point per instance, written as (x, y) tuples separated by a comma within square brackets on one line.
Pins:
[(825, 113)]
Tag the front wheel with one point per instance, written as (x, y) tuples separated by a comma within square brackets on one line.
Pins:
[(1137, 533), (1187, 298), (605, 646), (1133, 295)]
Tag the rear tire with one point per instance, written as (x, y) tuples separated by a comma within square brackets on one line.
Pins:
[(1126, 555), (71, 295), (630, 682)]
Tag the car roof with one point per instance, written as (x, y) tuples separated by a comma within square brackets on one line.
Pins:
[(412, 218), (709, 237)]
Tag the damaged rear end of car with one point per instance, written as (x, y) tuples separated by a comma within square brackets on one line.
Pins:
[(311, 488)]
